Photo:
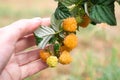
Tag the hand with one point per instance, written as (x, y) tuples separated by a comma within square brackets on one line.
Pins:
[(14, 63)]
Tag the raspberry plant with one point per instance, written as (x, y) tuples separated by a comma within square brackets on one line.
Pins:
[(67, 18)]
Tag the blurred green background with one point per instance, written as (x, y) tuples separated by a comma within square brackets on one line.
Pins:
[(97, 55)]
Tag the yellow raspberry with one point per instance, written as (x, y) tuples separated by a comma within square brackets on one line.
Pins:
[(70, 24), (86, 20), (62, 48), (44, 55), (52, 61), (65, 58), (71, 41)]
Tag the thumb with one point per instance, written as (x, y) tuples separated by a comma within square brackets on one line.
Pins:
[(23, 27)]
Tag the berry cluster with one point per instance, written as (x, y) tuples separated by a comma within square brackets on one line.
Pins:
[(61, 34), (70, 41), (68, 17)]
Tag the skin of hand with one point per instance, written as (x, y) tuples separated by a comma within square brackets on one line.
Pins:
[(15, 63)]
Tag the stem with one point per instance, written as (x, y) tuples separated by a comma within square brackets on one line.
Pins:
[(58, 32)]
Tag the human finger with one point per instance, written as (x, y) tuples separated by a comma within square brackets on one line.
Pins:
[(27, 57), (22, 27), (32, 68), (24, 43), (25, 26)]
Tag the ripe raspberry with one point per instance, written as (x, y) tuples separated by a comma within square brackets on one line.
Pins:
[(71, 41), (44, 55), (52, 61), (70, 24), (62, 48), (85, 22), (65, 58)]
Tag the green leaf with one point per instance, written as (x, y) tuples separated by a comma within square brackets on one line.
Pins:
[(102, 2), (61, 12), (43, 33), (53, 40), (38, 39), (103, 11), (62, 34), (77, 11), (66, 2), (55, 24), (69, 2)]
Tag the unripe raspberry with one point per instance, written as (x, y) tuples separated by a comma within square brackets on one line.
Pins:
[(65, 58), (44, 55), (70, 24), (52, 61), (71, 41), (86, 20)]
